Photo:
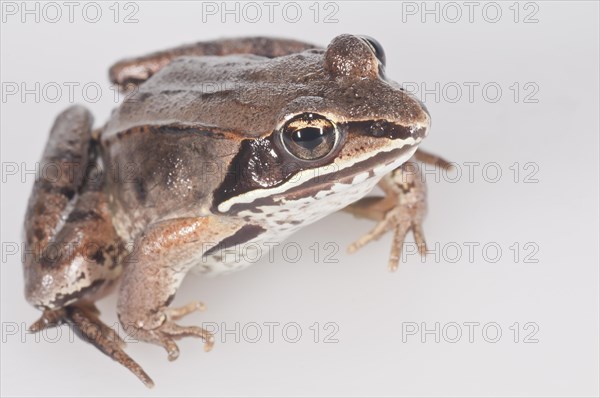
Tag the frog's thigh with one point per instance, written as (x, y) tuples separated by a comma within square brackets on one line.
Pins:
[(138, 69), (72, 248), (64, 159), (83, 259)]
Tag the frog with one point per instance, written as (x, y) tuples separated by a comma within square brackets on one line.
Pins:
[(219, 144)]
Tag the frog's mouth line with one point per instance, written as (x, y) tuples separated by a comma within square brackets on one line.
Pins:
[(376, 166), (373, 167)]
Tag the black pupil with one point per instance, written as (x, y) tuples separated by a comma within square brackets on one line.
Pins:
[(308, 137)]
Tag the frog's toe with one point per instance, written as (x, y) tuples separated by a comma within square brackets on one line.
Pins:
[(168, 343), (175, 332), (166, 334), (179, 312), (49, 318), (401, 220), (398, 242), (83, 318), (168, 331), (377, 232)]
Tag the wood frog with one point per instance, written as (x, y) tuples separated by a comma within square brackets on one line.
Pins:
[(222, 144)]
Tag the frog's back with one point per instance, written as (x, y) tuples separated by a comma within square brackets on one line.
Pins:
[(239, 95)]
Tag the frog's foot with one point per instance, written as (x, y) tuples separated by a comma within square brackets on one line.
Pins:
[(59, 316), (83, 319), (402, 210), (169, 331), (401, 218)]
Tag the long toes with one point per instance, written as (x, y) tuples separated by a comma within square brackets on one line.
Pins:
[(397, 243), (420, 238), (169, 344), (377, 232), (91, 312), (177, 332), (179, 312), (94, 331), (112, 335), (357, 244), (117, 353), (49, 318)]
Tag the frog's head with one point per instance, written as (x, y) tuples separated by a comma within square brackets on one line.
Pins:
[(342, 128)]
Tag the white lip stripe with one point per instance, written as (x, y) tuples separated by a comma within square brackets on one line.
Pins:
[(301, 211), (306, 175)]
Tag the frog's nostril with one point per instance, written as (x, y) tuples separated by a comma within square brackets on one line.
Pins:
[(377, 130), (419, 132), (392, 131)]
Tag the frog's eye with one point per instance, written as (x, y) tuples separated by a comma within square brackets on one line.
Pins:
[(376, 48), (309, 136)]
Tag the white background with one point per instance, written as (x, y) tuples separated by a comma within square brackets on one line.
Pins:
[(558, 215)]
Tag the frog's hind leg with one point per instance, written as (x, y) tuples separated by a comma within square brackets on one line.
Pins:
[(139, 69), (83, 318), (73, 252)]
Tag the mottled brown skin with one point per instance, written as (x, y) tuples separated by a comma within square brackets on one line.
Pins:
[(51, 278), (197, 155), (138, 70)]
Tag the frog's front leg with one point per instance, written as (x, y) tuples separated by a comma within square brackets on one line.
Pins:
[(162, 257), (402, 209), (139, 69)]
